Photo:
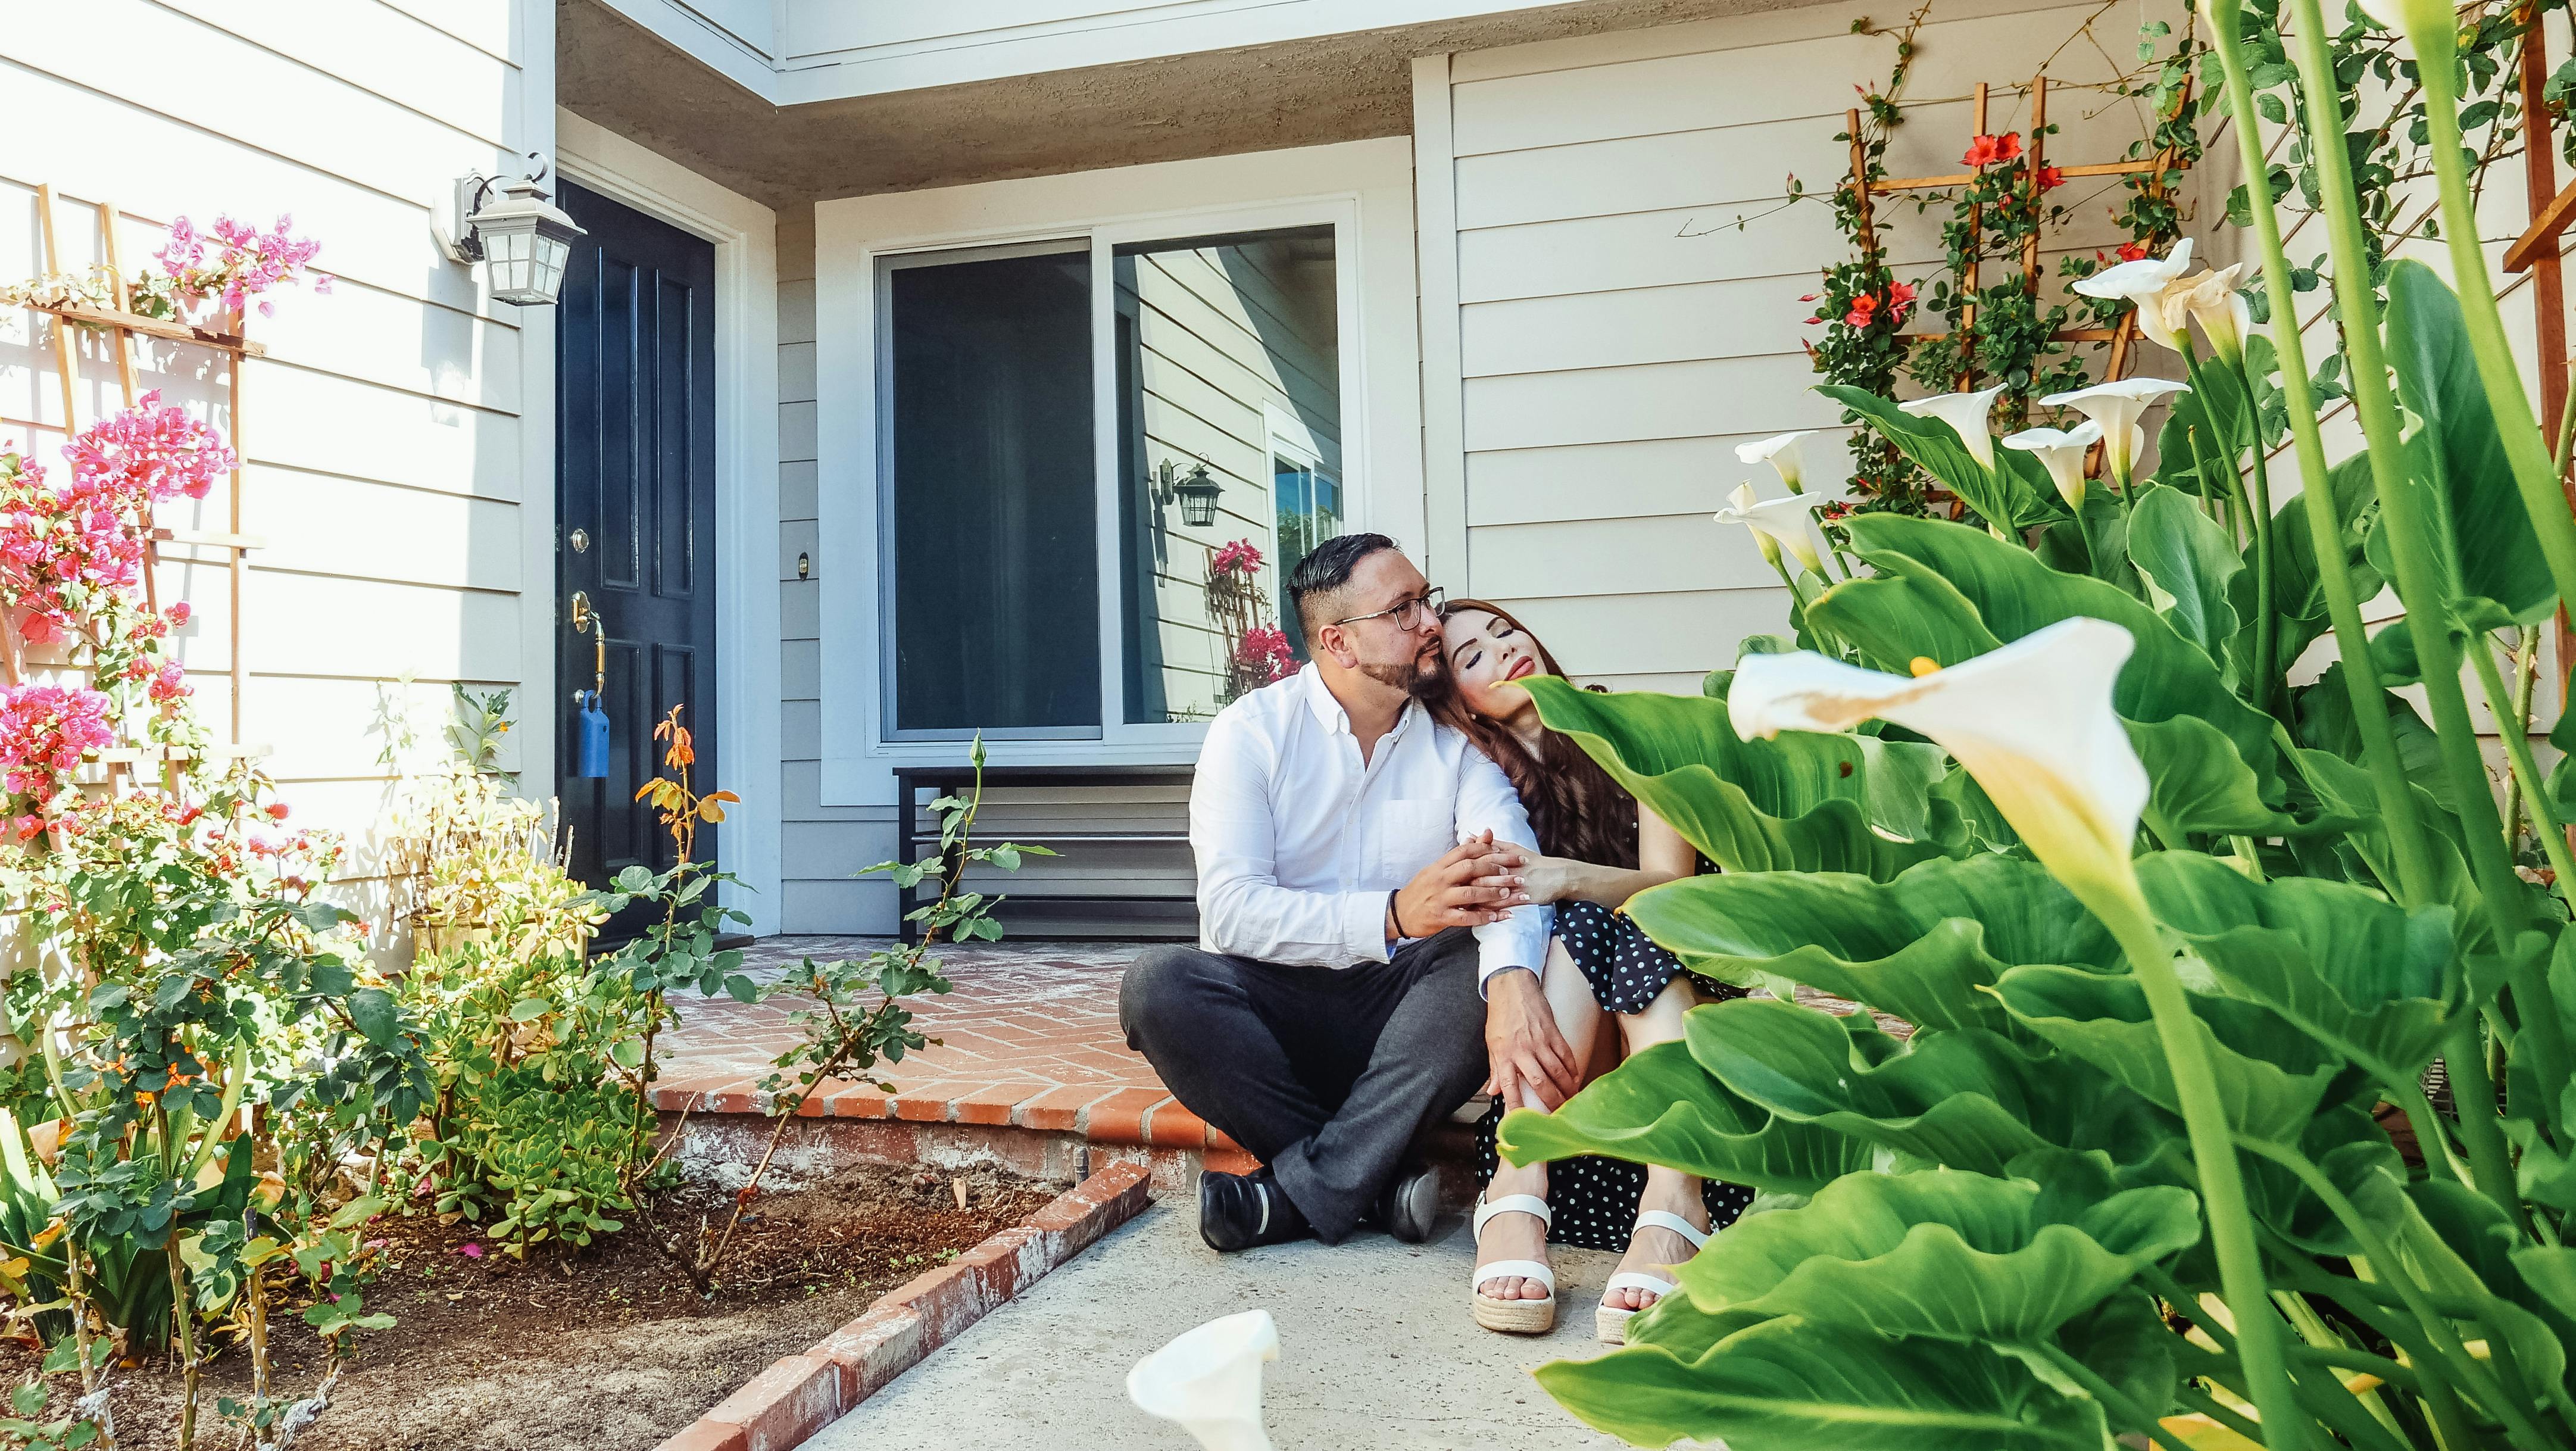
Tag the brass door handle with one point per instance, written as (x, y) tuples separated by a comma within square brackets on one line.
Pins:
[(586, 620)]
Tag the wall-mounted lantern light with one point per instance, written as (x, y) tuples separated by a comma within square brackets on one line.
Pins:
[(522, 239), (1195, 492)]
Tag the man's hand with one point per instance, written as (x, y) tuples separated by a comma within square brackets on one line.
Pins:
[(1473, 883), (1532, 1063)]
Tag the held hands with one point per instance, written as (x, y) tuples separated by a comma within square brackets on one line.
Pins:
[(1533, 1066), (1473, 883)]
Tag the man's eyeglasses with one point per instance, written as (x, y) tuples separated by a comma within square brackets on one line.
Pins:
[(1408, 615)]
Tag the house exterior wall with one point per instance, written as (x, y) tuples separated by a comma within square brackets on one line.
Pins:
[(1599, 334), (398, 436)]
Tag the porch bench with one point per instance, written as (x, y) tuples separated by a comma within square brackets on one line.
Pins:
[(911, 781)]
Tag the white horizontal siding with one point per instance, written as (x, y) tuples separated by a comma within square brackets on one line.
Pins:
[(1629, 269), (388, 432)]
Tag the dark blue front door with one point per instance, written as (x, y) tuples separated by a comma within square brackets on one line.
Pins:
[(635, 459)]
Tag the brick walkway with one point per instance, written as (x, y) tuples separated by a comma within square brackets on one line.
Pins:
[(1028, 1037)]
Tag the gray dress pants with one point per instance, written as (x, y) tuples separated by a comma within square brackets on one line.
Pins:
[(1326, 1075)]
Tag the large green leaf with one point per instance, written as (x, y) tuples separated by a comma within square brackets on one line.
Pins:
[(2200, 784), (2190, 565), (1799, 802), (2362, 975), (2298, 596), (2271, 1077), (2483, 533), (1662, 1107), (2015, 595), (2014, 494), (1964, 1098), (1939, 1253), (1787, 1386), (1918, 946)]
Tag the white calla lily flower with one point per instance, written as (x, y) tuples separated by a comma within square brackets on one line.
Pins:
[(1209, 1381), (1970, 415), (2144, 283), (1744, 498), (1787, 523), (2061, 452), (2032, 722), (1785, 452), (2215, 304), (2116, 407)]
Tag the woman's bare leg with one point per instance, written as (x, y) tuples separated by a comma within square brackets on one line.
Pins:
[(1652, 1250), (1519, 1236)]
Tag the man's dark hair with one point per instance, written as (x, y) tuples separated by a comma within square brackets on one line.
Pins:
[(1318, 582)]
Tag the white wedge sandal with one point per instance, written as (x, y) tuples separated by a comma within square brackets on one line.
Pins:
[(1609, 1322), (1516, 1316)]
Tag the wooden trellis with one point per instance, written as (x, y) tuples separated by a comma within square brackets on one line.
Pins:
[(2122, 337), (121, 326)]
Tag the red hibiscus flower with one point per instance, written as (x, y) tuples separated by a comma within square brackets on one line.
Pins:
[(1864, 311), (2050, 178), (2132, 252)]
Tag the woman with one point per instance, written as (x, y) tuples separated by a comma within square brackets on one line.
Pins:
[(1601, 849)]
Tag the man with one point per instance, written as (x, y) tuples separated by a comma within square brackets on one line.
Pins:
[(1366, 956)]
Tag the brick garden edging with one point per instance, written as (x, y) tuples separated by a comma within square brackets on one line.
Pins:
[(799, 1395)]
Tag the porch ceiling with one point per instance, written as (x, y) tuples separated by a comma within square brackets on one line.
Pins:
[(1338, 88)]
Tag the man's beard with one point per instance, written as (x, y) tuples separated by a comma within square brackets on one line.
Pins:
[(1409, 676)]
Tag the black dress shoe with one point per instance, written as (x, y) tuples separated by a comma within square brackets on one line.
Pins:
[(1410, 1203), (1239, 1211)]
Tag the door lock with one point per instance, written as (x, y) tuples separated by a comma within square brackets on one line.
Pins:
[(580, 541)]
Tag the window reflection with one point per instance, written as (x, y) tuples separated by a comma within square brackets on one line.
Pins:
[(1228, 356)]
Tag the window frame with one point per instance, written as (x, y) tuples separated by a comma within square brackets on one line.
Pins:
[(1363, 190)]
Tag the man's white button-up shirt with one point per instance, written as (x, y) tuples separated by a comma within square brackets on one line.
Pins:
[(1298, 840)]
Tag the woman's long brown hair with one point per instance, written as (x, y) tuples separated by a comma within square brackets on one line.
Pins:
[(1574, 807)]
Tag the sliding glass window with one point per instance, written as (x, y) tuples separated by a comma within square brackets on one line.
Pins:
[(1065, 555)]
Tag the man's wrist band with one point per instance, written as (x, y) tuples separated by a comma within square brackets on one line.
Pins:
[(1394, 918)]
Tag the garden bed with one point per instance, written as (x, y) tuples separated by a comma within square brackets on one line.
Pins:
[(607, 1349)]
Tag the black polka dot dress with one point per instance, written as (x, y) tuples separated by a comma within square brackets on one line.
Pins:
[(1594, 1199)]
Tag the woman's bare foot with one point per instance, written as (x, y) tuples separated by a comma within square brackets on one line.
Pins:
[(1652, 1249), (1513, 1236)]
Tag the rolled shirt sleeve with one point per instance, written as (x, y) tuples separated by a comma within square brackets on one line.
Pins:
[(1242, 908), (1487, 802)]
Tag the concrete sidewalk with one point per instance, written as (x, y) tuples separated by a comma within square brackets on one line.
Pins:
[(1375, 1350)]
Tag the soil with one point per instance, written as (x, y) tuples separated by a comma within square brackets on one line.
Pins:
[(605, 1349)]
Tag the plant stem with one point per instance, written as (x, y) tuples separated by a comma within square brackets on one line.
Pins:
[(2421, 583), (2445, 1341), (184, 1320), (2115, 1404), (2473, 1102), (2210, 1406), (2325, 532), (2526, 677), (2267, 671), (2526, 771), (2222, 1181), (2525, 450)]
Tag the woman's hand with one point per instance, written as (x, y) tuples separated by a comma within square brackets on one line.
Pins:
[(1552, 878)]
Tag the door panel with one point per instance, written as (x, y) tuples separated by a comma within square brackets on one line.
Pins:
[(635, 519)]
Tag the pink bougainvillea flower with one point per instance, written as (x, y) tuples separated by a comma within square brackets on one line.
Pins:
[(179, 613), (470, 1250), (44, 732), (278, 811), (1264, 653), (1239, 557)]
